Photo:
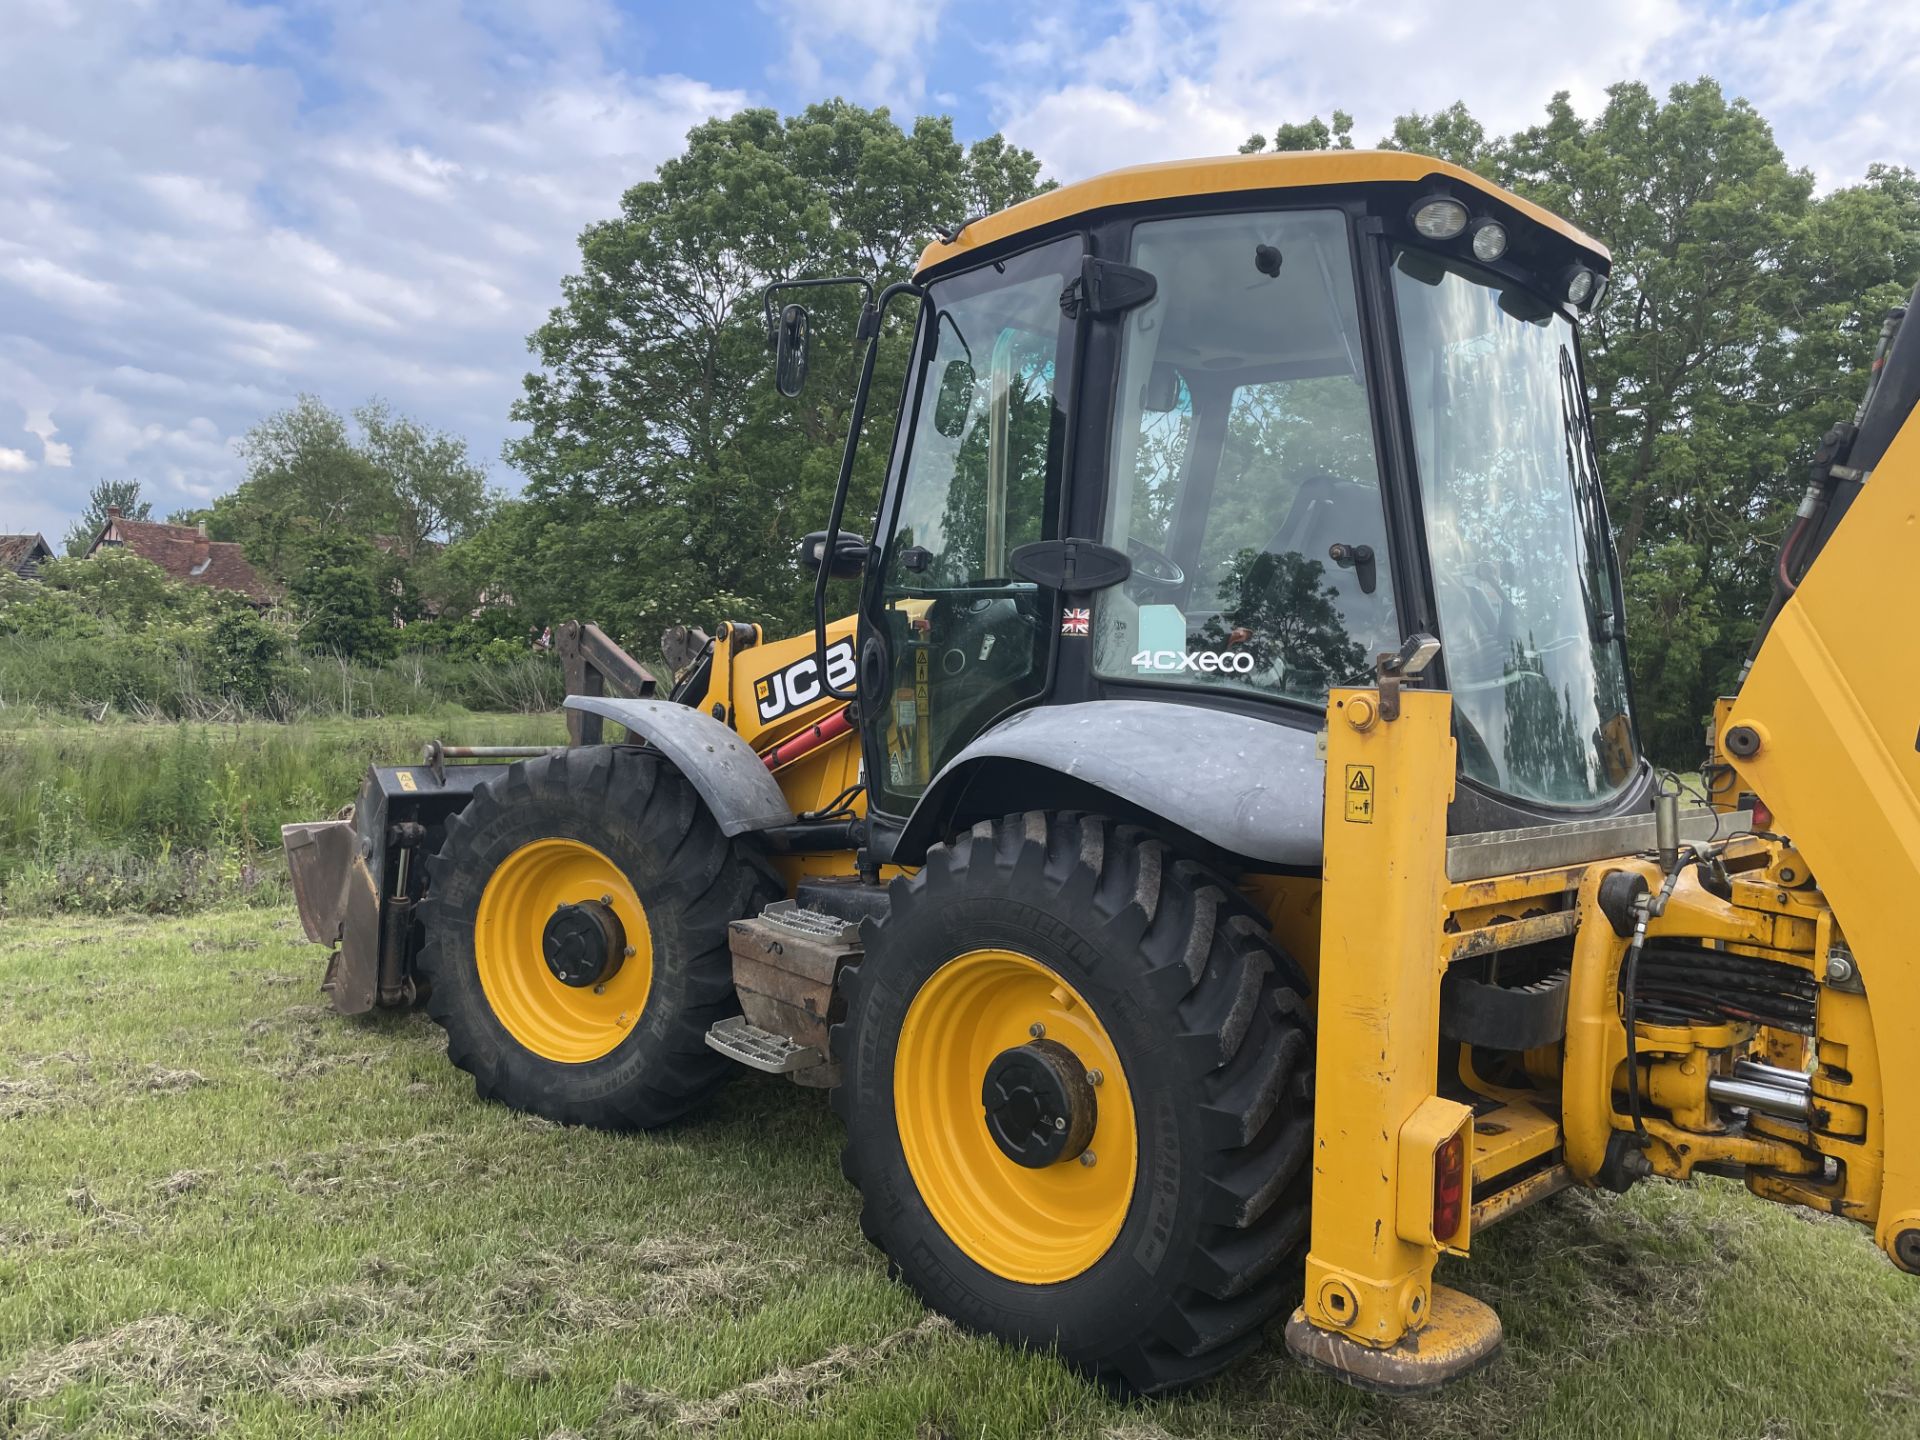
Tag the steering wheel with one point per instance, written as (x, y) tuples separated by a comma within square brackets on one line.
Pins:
[(1152, 567)]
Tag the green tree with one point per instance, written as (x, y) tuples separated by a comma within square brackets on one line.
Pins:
[(665, 478), (437, 490), (1450, 134), (1314, 134), (342, 607), (305, 477), (123, 495)]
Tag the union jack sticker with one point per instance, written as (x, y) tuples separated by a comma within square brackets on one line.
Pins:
[(1075, 621)]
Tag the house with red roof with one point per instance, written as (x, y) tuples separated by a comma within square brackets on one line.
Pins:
[(185, 553), (22, 554)]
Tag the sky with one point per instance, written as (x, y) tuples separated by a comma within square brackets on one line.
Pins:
[(208, 208)]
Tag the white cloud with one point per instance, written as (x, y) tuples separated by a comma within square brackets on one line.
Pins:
[(52, 452), (1836, 77), (891, 39), (15, 460), (213, 206)]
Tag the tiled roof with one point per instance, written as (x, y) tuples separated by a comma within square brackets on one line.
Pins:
[(186, 554), (22, 554)]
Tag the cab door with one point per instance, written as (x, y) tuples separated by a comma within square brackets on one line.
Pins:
[(955, 638)]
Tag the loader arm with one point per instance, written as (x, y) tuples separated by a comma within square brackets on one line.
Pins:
[(1826, 730)]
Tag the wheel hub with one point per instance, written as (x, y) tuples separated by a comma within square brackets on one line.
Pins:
[(584, 944), (1039, 1104)]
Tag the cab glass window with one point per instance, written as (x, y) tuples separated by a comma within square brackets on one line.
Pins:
[(1245, 487)]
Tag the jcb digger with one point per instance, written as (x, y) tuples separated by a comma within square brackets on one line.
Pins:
[(1214, 870)]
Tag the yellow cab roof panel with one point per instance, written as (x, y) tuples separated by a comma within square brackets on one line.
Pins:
[(1225, 174)]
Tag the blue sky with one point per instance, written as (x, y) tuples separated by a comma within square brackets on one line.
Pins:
[(208, 207)]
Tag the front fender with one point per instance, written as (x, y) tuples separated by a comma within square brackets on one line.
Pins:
[(723, 768), (1250, 787)]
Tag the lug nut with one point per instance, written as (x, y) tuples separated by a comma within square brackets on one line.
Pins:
[(1036, 1030), (631, 952), (1059, 1122), (1087, 1158), (1094, 1077), (606, 899)]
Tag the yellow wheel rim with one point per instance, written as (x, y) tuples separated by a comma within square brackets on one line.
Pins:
[(1034, 1226), (554, 1020)]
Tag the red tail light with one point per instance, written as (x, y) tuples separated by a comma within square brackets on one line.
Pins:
[(1762, 816), (1449, 1186)]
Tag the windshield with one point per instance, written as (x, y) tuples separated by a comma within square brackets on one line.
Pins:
[(1245, 489), (1516, 533), (963, 637)]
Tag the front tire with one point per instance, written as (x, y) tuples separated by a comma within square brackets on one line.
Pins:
[(1158, 1260), (598, 1017)]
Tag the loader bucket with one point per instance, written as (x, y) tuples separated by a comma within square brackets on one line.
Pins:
[(357, 879), (339, 905)]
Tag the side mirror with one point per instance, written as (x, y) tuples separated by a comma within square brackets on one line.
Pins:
[(790, 357), (849, 557), (955, 401)]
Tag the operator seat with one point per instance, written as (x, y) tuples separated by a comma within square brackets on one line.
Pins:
[(1327, 511)]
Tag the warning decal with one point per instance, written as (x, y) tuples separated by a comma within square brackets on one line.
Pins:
[(1360, 794)]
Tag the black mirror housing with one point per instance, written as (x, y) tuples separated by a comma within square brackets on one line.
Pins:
[(794, 335), (849, 560)]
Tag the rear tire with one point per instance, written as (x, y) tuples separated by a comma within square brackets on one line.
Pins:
[(544, 1048), (1204, 1015)]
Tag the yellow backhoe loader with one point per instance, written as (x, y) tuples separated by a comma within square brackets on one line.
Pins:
[(1214, 871)]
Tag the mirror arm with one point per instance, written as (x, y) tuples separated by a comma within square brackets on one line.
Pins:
[(766, 298), (870, 318)]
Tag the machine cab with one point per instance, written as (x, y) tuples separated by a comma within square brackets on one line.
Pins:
[(1218, 435)]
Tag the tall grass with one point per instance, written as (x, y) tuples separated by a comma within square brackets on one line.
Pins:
[(145, 677), (169, 817)]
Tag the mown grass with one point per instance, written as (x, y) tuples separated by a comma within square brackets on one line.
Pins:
[(225, 1211), (172, 817)]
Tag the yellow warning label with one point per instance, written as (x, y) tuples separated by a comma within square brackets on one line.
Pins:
[(405, 777), (1360, 794)]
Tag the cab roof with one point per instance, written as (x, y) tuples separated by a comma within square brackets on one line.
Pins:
[(1227, 174)]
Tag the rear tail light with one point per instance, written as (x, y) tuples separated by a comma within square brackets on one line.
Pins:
[(1449, 1186), (1762, 816)]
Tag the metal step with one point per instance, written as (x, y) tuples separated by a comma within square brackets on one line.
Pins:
[(739, 1039)]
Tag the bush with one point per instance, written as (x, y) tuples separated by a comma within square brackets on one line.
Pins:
[(246, 658)]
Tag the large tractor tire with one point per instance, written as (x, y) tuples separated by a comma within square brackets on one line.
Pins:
[(576, 938), (1077, 1088)]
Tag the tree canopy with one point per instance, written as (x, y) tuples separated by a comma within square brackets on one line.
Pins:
[(665, 478), (121, 495)]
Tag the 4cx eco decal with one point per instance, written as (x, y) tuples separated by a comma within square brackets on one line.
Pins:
[(1220, 662), (799, 684)]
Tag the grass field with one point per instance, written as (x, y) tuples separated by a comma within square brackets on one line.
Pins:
[(169, 817), (225, 1211)]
